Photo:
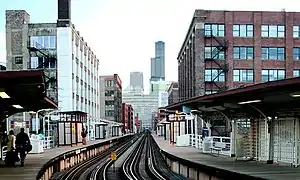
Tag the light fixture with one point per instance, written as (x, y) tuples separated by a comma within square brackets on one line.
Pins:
[(4, 95), (17, 106), (249, 102), (295, 95)]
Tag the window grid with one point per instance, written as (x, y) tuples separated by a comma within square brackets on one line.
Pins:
[(211, 52), (272, 31), (272, 74), (243, 52), (296, 73), (242, 30), (296, 31), (296, 53), (212, 75), (214, 29), (243, 75), (272, 53)]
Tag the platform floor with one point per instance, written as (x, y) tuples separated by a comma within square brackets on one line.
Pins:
[(251, 168), (34, 162)]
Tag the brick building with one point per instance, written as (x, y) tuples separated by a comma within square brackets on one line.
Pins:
[(231, 49), (111, 97), (173, 96), (127, 118)]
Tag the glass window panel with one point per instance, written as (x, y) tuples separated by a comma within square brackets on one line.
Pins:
[(281, 74), (235, 33), (296, 53), (250, 53), (243, 75), (221, 27), (243, 31), (281, 28), (243, 53), (214, 73), (264, 34), (264, 28), (221, 55), (214, 28), (236, 27), (34, 62), (236, 72), (296, 73), (280, 34), (272, 31), (295, 28), (295, 34), (249, 27), (221, 33), (221, 77), (207, 51), (272, 53), (207, 75), (46, 42), (52, 44), (249, 33), (236, 53)]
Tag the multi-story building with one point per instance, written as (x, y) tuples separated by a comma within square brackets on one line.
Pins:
[(137, 80), (158, 62), (143, 105), (159, 86), (111, 97), (127, 118), (173, 95), (230, 49), (70, 65)]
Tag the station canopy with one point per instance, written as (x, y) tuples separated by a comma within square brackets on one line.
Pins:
[(22, 91), (275, 98)]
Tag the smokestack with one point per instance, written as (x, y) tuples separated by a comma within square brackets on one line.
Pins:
[(63, 13)]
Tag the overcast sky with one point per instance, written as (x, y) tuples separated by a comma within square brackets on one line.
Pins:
[(123, 32)]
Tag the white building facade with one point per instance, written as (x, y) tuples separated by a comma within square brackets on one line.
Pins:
[(77, 72)]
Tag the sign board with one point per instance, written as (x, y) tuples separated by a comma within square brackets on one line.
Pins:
[(113, 156)]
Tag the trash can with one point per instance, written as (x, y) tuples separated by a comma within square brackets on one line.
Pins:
[(207, 144), (37, 146)]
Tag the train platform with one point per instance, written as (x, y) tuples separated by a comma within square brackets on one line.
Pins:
[(250, 168), (34, 162)]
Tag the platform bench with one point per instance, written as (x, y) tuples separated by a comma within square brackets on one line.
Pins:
[(218, 149)]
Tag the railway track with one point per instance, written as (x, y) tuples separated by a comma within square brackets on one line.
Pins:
[(92, 168), (146, 163), (138, 159)]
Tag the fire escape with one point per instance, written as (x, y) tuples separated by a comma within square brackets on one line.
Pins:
[(220, 47), (45, 57), (217, 45)]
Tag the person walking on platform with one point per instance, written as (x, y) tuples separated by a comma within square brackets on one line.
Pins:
[(83, 135), (11, 156), (23, 145)]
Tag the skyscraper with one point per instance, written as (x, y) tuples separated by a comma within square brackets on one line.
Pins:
[(137, 80), (158, 62)]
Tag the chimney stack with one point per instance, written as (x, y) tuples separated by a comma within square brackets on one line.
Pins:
[(63, 13)]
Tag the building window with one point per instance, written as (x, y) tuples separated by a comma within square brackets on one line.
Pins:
[(272, 74), (243, 75), (210, 91), (216, 75), (272, 30), (43, 42), (296, 73), (243, 52), (214, 53), (272, 53), (19, 60), (296, 31), (241, 30), (296, 53), (214, 29)]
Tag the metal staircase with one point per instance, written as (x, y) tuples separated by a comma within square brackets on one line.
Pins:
[(222, 45)]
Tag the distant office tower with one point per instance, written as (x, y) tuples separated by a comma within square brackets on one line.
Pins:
[(158, 62), (137, 80)]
